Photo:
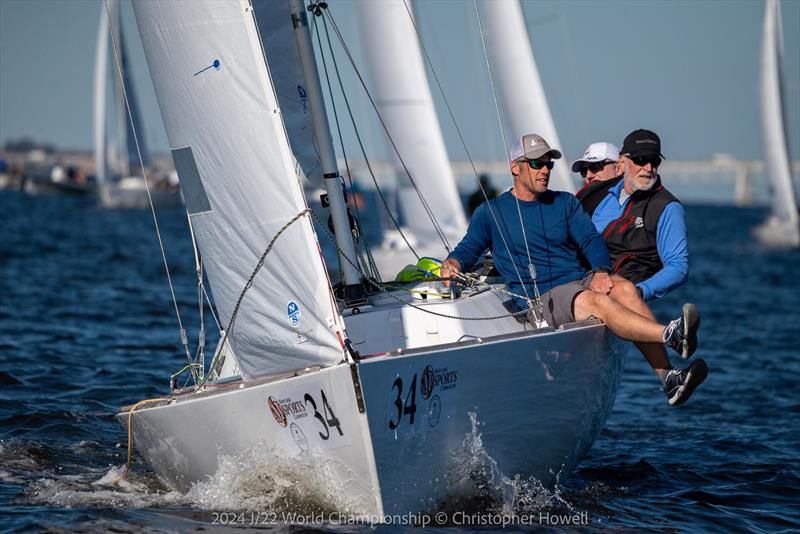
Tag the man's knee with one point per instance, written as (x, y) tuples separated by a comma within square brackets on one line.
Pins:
[(589, 304)]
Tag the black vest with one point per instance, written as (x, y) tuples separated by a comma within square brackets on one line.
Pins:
[(631, 239), (594, 192)]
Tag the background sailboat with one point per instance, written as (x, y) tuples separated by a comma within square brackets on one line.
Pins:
[(427, 193), (119, 170), (520, 92), (782, 226)]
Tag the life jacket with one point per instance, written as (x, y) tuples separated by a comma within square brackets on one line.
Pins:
[(631, 239), (594, 192)]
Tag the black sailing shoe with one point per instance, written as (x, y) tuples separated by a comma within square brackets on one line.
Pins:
[(681, 334), (681, 383)]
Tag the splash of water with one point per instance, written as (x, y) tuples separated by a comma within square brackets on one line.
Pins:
[(481, 486)]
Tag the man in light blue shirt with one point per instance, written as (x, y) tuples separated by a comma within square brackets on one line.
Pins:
[(643, 224)]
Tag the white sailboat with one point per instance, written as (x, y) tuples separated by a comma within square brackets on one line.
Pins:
[(517, 80), (427, 192), (120, 177), (375, 394), (782, 227)]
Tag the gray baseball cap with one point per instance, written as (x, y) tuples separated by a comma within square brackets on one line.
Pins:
[(532, 146)]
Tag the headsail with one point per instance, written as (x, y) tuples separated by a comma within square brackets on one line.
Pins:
[(514, 67), (240, 183), (405, 103), (773, 131)]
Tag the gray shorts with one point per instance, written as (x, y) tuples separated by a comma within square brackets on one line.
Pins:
[(558, 302)]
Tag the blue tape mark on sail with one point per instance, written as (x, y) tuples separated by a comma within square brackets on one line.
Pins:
[(214, 65), (303, 97), (293, 312)]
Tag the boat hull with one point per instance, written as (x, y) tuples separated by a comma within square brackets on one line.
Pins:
[(523, 404)]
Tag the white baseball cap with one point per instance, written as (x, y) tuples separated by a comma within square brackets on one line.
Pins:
[(596, 152)]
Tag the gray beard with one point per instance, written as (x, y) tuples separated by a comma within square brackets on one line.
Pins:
[(648, 187)]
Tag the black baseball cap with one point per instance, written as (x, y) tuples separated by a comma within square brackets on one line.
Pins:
[(642, 143)]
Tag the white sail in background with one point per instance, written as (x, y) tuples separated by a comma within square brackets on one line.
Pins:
[(403, 97), (280, 47), (783, 225), (116, 153), (100, 83), (517, 80), (240, 183)]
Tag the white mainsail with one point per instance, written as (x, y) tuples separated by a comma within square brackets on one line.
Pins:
[(783, 226), (404, 101), (280, 47), (517, 80), (240, 183)]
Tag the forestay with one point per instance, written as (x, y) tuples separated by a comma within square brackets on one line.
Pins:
[(517, 80), (240, 183), (773, 130), (404, 101)]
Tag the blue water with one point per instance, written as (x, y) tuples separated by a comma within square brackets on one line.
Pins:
[(87, 324)]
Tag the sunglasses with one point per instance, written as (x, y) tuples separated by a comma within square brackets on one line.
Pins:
[(641, 161), (595, 167), (537, 164)]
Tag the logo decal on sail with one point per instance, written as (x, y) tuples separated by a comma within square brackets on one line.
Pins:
[(278, 412), (303, 97), (293, 312), (214, 65)]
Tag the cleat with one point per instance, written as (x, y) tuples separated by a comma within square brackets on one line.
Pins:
[(681, 383)]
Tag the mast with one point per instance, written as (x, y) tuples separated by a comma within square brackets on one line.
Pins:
[(322, 136)]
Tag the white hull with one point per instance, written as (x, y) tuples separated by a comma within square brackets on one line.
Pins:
[(779, 233), (130, 193), (539, 401)]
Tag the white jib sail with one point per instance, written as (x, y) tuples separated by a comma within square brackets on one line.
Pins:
[(773, 132), (516, 78), (403, 97), (100, 79), (237, 173)]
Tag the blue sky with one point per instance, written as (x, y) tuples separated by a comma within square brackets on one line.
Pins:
[(688, 70)]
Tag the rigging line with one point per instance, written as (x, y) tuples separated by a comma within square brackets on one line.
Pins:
[(439, 232), (370, 263), (531, 267), (382, 288), (249, 284), (182, 331), (372, 173), (463, 143)]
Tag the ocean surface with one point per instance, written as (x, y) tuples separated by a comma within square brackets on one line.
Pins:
[(87, 325)]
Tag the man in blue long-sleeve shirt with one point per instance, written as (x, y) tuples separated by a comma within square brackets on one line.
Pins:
[(643, 223), (537, 234)]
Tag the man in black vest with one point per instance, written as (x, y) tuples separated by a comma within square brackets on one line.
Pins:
[(643, 224)]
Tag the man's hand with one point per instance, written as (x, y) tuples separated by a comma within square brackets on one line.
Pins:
[(449, 268), (601, 283)]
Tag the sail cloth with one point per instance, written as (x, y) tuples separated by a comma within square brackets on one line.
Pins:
[(403, 98), (237, 173), (513, 67), (773, 128), (280, 48), (119, 156)]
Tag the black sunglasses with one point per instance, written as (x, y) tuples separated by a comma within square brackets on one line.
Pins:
[(595, 167), (641, 161), (537, 164)]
